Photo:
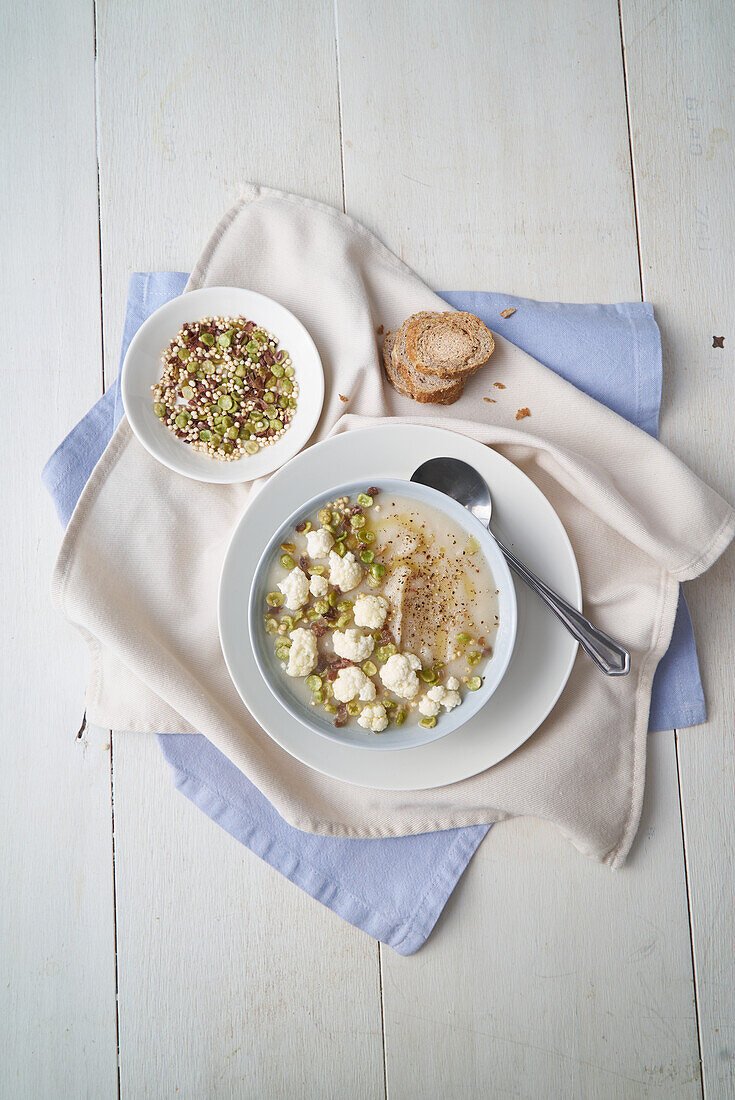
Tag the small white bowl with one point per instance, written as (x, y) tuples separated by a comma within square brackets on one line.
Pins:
[(142, 368), (411, 734)]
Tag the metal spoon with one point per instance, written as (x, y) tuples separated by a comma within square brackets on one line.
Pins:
[(460, 480)]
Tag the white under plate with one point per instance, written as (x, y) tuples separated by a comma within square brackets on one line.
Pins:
[(544, 651), (142, 368)]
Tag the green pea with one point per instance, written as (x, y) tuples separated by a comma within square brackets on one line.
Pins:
[(182, 420), (292, 402), (474, 658), (240, 371), (288, 371), (199, 374), (260, 426), (274, 599), (340, 549), (318, 696), (343, 621), (207, 339), (159, 408), (353, 708), (356, 522), (187, 392), (228, 447), (282, 402), (286, 385), (373, 582), (332, 599), (216, 439), (298, 615), (252, 347), (277, 370), (224, 340), (364, 500), (428, 723), (367, 556), (270, 399), (321, 606), (275, 424), (369, 668), (389, 704), (330, 708), (233, 432), (225, 401), (287, 561), (271, 625), (282, 652), (463, 638), (287, 621), (368, 536), (400, 717), (306, 527), (313, 682), (474, 683), (377, 569), (324, 515), (428, 675), (345, 605), (205, 435), (251, 447)]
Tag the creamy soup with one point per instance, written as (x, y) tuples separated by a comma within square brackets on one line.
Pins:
[(382, 610)]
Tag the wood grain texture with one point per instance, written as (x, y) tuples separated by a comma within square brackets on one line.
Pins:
[(487, 143), (57, 949), (549, 976), (232, 981), (683, 128)]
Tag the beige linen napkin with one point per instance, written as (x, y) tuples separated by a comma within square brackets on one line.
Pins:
[(139, 567)]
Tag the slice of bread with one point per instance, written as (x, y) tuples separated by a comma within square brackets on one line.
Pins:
[(450, 346), (409, 382)]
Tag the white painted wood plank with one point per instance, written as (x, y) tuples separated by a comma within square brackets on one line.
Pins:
[(487, 144), (491, 150), (57, 961), (232, 982), (683, 128)]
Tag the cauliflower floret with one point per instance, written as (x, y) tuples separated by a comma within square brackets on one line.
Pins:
[(370, 611), (352, 683), (344, 572), (318, 586), (428, 706), (318, 543), (448, 699), (295, 588), (373, 718), (451, 700), (399, 674), (452, 684), (302, 656), (353, 645)]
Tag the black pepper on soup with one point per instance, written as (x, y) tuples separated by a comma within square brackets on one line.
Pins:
[(227, 388)]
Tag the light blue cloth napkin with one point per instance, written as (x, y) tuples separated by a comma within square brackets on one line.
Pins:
[(395, 889)]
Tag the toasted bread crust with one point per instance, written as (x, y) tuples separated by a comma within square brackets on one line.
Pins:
[(449, 346), (406, 381)]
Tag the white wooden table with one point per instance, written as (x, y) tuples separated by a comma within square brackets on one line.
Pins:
[(576, 151)]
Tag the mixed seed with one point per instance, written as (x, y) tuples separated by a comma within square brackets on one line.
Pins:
[(227, 389)]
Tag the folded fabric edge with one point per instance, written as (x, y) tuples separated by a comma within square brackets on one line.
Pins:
[(405, 937)]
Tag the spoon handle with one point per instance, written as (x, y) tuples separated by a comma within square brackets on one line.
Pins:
[(612, 658)]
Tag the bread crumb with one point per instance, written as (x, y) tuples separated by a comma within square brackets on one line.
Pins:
[(522, 414), (380, 330), (491, 400), (499, 385), (342, 397), (507, 312)]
